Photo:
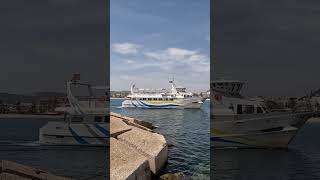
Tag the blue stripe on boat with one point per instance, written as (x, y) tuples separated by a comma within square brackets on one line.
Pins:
[(133, 104), (79, 139), (103, 130)]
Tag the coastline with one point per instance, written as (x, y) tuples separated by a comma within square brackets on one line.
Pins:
[(40, 116), (117, 98)]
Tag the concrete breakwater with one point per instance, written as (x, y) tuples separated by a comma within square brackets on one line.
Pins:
[(14, 171), (136, 151)]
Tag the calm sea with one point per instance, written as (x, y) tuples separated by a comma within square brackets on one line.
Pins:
[(187, 130), (301, 161), (17, 143)]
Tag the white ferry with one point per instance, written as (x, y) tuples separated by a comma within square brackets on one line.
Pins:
[(246, 123), (86, 120), (177, 97)]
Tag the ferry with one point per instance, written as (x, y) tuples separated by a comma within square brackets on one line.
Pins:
[(177, 97), (85, 123), (239, 122)]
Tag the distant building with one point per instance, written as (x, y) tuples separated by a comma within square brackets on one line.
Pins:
[(119, 94), (49, 104), (35, 104)]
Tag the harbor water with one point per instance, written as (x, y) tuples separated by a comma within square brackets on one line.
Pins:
[(18, 138), (300, 161), (187, 133)]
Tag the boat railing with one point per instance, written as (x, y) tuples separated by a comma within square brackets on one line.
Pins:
[(150, 91), (92, 102), (251, 117), (86, 118)]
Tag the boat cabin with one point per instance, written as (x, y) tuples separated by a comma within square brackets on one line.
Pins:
[(227, 86), (244, 106), (248, 109), (181, 89)]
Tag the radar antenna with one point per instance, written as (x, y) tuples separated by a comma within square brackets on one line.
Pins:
[(172, 80)]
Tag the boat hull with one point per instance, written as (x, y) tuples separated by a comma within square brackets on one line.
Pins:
[(238, 124), (273, 139), (64, 134), (185, 104), (264, 131)]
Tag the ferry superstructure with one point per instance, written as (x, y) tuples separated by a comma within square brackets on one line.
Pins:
[(239, 122), (177, 97)]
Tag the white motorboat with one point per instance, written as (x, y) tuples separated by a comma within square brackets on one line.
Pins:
[(246, 123), (177, 97), (86, 120)]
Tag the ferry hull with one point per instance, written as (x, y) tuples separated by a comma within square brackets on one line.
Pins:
[(64, 134), (194, 104), (275, 131), (236, 124), (275, 139)]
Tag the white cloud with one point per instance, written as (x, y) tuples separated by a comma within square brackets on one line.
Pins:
[(178, 53), (125, 48), (130, 61), (190, 66), (170, 54), (168, 59), (198, 62)]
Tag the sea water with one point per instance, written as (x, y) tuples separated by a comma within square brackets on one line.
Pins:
[(300, 161), (18, 143), (187, 133)]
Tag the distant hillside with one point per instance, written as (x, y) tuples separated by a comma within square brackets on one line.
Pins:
[(14, 98), (49, 94)]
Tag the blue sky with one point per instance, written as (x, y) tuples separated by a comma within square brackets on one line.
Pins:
[(152, 41)]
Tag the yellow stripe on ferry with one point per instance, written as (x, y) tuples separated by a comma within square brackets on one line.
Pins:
[(159, 102)]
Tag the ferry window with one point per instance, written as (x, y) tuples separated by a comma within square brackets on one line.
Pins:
[(144, 99), (239, 109), (249, 109), (133, 98), (149, 99), (171, 99), (231, 107), (160, 99), (259, 110), (166, 99), (154, 99)]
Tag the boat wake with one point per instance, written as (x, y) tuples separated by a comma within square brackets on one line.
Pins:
[(15, 143)]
